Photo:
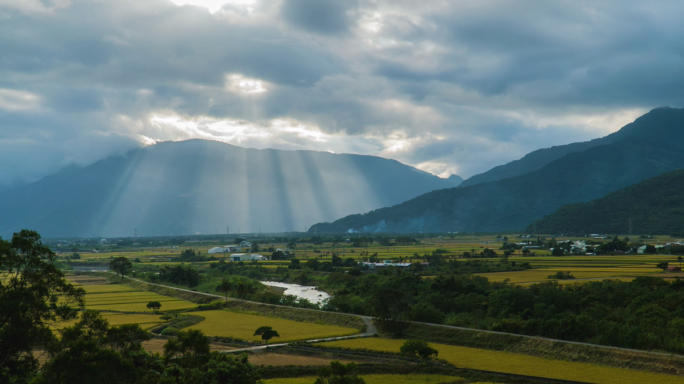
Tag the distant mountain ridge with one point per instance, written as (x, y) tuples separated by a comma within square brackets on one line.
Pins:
[(654, 206), (197, 186), (537, 159), (652, 145)]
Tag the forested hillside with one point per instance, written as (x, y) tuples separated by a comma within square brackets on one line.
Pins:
[(654, 206)]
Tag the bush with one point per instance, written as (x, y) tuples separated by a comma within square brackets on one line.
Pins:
[(415, 348), (169, 331)]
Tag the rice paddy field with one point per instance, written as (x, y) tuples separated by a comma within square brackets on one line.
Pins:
[(496, 361), (378, 379), (241, 326), (124, 298), (115, 319)]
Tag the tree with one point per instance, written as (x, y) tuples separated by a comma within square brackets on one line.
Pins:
[(266, 333), (663, 265), (121, 265), (225, 287), (295, 264), (414, 348), (154, 305), (190, 347), (558, 251), (338, 373), (92, 352), (29, 291)]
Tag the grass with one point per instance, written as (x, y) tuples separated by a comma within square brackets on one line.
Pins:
[(242, 326), (378, 379), (497, 361)]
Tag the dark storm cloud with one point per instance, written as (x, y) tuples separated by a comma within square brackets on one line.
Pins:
[(326, 17), (446, 86)]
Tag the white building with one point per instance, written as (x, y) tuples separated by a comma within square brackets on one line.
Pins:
[(225, 249), (246, 244), (246, 257)]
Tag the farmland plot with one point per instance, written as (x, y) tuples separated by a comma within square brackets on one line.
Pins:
[(242, 326), (496, 361)]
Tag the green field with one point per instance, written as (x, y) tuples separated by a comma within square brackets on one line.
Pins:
[(378, 379), (503, 362), (242, 326)]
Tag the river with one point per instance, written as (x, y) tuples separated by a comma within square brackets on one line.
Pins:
[(303, 291)]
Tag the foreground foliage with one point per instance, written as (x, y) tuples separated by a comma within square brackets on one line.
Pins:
[(30, 285)]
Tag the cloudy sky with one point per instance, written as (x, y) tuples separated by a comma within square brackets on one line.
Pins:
[(446, 86)]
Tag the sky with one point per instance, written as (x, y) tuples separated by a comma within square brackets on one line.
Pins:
[(450, 87)]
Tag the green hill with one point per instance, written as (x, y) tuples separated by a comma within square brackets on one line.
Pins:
[(650, 146), (654, 206)]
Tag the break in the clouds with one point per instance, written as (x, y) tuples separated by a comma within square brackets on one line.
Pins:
[(449, 87)]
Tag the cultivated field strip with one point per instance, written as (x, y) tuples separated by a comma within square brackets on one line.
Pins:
[(379, 379), (241, 326), (142, 307), (496, 361)]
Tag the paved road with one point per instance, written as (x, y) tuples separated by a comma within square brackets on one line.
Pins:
[(371, 329)]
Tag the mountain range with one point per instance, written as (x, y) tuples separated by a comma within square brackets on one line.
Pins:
[(654, 206), (198, 186), (512, 196)]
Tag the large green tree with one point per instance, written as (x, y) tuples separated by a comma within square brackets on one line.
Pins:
[(266, 333), (121, 265), (33, 296)]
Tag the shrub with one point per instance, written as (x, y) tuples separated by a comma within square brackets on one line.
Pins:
[(414, 348)]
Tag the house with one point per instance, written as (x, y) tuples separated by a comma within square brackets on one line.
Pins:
[(216, 250), (246, 244), (641, 249), (673, 269)]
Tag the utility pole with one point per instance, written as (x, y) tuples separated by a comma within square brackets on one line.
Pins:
[(136, 233), (228, 230)]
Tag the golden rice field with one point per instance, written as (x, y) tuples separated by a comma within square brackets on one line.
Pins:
[(242, 326), (496, 361), (142, 307), (115, 319), (108, 288), (378, 379)]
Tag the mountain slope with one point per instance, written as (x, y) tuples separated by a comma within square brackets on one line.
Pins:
[(537, 159), (654, 206), (652, 145), (201, 186)]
